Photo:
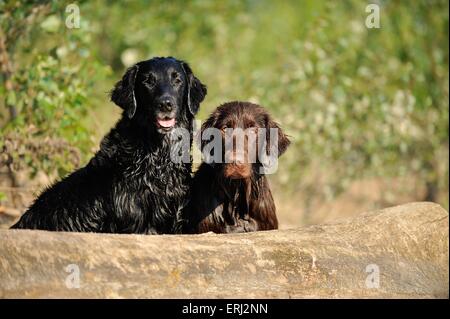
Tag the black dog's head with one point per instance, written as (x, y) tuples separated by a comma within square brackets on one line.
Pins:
[(162, 93)]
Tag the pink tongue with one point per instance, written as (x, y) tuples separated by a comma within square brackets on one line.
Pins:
[(166, 123)]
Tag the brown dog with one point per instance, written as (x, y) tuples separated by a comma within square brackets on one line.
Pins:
[(231, 192)]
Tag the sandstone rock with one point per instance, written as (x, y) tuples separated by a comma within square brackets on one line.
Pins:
[(399, 252)]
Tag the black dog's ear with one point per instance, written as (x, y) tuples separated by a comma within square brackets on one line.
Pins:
[(196, 90), (123, 92), (283, 141)]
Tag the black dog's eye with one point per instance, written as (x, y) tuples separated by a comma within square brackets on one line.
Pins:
[(176, 78), (151, 80)]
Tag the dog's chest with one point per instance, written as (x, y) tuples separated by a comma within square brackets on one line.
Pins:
[(157, 185)]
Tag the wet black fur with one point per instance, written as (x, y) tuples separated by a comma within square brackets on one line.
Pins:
[(130, 185)]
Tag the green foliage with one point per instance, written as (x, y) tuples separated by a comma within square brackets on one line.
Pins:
[(361, 102), (53, 75), (358, 102)]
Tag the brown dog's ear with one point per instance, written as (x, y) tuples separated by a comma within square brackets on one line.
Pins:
[(283, 141), (209, 123), (123, 92), (196, 90)]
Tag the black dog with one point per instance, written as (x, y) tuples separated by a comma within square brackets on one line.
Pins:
[(131, 185)]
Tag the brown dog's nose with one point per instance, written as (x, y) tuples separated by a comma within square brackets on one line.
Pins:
[(234, 157), (239, 158)]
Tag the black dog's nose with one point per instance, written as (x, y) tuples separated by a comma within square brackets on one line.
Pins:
[(166, 105)]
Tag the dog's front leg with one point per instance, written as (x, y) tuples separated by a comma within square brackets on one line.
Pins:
[(151, 231), (242, 226)]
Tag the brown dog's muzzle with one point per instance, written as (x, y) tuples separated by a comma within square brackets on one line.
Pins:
[(238, 159), (237, 171)]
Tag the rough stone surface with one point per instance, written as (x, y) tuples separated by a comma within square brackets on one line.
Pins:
[(408, 244)]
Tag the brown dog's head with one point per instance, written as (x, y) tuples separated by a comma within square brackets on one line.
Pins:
[(237, 138)]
